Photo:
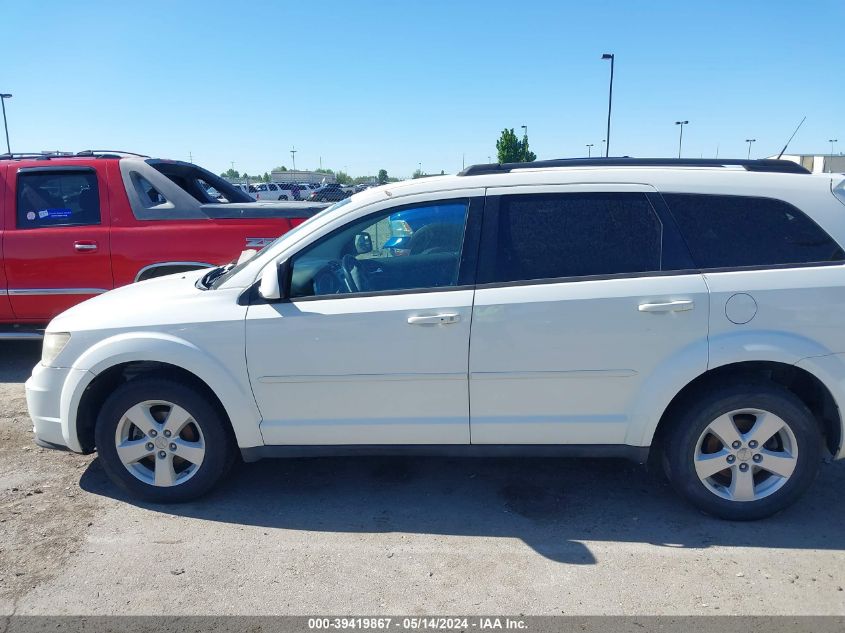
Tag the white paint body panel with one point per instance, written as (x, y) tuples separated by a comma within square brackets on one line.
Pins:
[(562, 363), (354, 371)]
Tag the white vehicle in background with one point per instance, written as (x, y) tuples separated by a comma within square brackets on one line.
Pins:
[(250, 190), (685, 312), (272, 191)]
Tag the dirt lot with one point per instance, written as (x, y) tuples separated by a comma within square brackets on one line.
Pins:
[(397, 536)]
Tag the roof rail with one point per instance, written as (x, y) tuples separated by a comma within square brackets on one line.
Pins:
[(91, 153), (109, 153), (35, 155), (765, 164)]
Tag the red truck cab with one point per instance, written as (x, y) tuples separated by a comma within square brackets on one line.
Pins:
[(74, 226)]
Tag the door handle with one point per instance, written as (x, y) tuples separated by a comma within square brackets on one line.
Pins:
[(435, 319), (85, 246), (669, 306)]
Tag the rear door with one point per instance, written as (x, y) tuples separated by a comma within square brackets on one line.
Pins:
[(56, 242), (584, 292)]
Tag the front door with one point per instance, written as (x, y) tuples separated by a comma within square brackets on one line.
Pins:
[(369, 347), (581, 297), (56, 240)]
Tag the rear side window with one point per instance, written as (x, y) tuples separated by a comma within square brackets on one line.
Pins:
[(58, 198), (548, 236), (736, 231)]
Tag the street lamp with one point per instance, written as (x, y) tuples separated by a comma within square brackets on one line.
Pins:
[(3, 98), (832, 141), (293, 158), (750, 141), (681, 140), (612, 58), (601, 153), (589, 150)]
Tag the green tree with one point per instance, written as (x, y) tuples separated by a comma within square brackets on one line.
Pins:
[(510, 149), (343, 178), (280, 168), (382, 176), (265, 177), (323, 171), (230, 173), (417, 174)]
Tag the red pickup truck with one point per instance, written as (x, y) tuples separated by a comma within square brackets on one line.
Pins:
[(76, 225)]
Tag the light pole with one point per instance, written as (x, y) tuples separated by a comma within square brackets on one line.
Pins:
[(420, 169), (293, 157), (750, 141), (832, 141), (681, 139), (612, 59), (3, 98), (589, 150)]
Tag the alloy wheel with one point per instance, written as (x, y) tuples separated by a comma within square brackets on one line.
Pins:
[(160, 443), (746, 455)]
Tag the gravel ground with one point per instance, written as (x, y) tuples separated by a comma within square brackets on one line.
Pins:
[(397, 536)]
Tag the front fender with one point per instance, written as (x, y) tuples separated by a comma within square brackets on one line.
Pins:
[(231, 388)]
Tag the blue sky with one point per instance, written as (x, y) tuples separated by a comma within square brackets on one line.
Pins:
[(366, 85)]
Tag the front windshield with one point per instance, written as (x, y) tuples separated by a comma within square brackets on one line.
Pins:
[(270, 247)]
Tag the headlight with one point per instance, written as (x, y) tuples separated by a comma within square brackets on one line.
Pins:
[(54, 343)]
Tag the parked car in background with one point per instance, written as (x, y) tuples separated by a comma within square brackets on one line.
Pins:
[(684, 312), (272, 191), (249, 190), (74, 226), (330, 192), (294, 190)]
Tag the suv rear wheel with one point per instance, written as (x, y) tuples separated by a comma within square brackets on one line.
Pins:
[(744, 452), (162, 441)]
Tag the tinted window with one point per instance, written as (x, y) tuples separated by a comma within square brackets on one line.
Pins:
[(149, 195), (731, 231), (415, 247), (546, 236), (61, 198)]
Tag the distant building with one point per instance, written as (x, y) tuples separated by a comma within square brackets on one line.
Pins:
[(818, 163), (301, 176)]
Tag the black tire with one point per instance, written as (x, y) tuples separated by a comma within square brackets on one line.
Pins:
[(698, 412), (219, 449)]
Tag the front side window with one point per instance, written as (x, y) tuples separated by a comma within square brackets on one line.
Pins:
[(737, 231), (60, 198), (398, 249), (548, 236)]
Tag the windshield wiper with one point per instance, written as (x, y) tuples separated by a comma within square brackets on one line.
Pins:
[(209, 277)]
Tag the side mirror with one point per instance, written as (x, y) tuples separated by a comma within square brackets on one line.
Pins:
[(363, 243), (269, 287)]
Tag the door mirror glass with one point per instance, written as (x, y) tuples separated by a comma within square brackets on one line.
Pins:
[(269, 288), (363, 243)]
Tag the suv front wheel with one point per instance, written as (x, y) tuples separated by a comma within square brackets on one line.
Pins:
[(162, 441), (744, 452)]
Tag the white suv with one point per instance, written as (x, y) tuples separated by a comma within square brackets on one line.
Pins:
[(272, 191), (687, 310)]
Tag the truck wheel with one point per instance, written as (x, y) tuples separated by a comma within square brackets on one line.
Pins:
[(162, 441), (743, 452)]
